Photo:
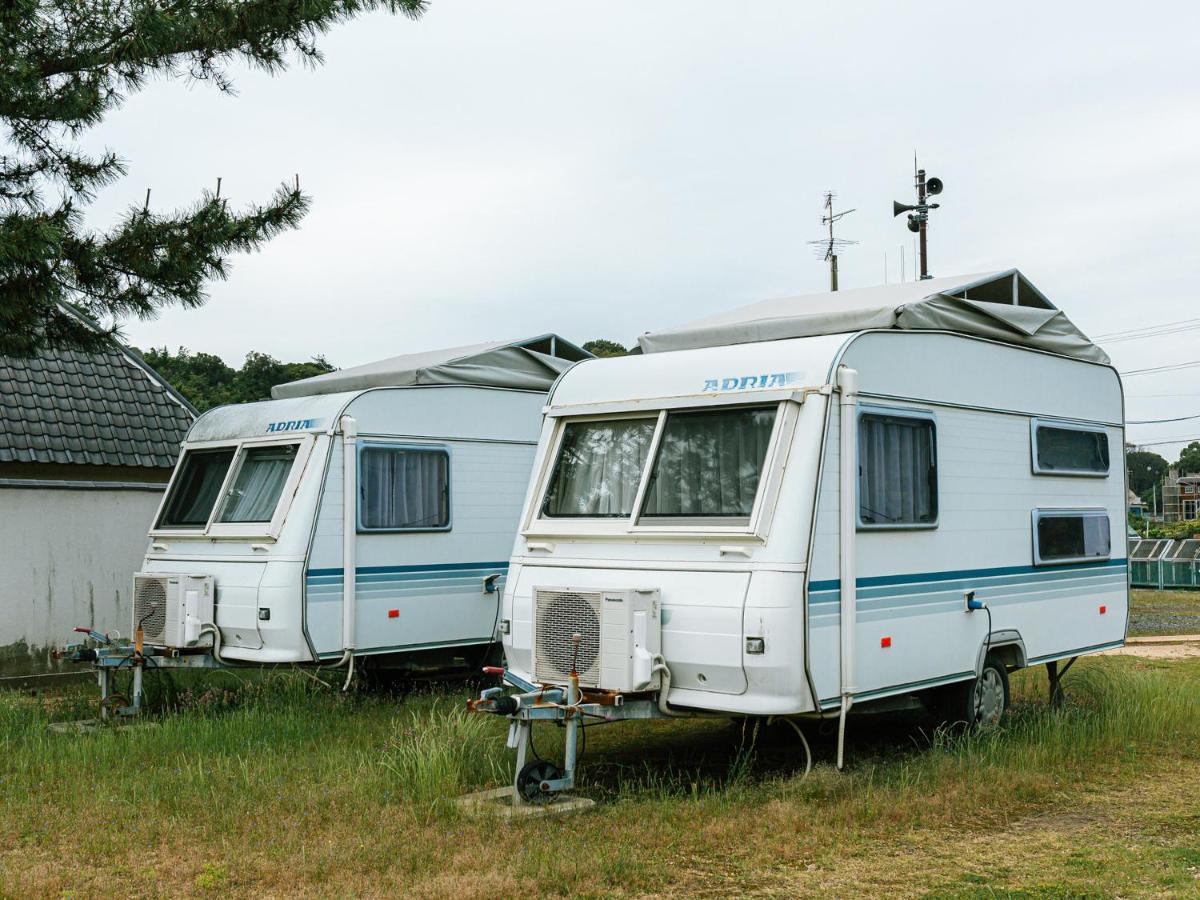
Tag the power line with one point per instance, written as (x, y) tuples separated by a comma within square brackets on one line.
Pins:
[(1132, 333), (1182, 440), (1160, 421), (1156, 369)]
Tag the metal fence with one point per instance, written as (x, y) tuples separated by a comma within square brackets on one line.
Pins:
[(1165, 574)]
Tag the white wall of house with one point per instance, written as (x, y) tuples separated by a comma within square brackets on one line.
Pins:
[(67, 558)]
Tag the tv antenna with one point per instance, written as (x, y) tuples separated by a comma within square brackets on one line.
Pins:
[(828, 247), (918, 213)]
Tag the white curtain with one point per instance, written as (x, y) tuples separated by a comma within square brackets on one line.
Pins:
[(709, 463), (599, 468), (896, 475), (404, 488), (258, 484)]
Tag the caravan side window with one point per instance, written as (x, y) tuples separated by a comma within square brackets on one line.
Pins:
[(897, 469), (1068, 448), (403, 488), (1070, 536)]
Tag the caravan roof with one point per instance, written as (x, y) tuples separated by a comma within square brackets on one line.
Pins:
[(532, 364), (1003, 306)]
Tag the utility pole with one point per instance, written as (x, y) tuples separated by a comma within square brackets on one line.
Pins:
[(828, 247), (918, 214)]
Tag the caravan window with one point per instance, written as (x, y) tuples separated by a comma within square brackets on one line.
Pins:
[(201, 474), (403, 488), (1070, 535), (897, 470), (709, 464), (1065, 448), (259, 482), (599, 468)]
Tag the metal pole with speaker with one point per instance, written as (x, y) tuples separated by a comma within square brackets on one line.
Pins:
[(918, 213)]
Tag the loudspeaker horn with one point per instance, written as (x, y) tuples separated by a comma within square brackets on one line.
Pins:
[(898, 207), (933, 185)]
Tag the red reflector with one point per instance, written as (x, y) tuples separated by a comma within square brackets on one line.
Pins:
[(1103, 610), (393, 613), (885, 642)]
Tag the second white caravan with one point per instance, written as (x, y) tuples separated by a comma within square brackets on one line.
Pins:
[(822, 501), (364, 513)]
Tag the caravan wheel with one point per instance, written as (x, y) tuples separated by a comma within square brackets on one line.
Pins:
[(981, 701)]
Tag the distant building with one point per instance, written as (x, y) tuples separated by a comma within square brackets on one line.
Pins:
[(1137, 506), (87, 444), (1181, 496)]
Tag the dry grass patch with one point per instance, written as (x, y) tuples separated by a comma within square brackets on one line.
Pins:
[(285, 789)]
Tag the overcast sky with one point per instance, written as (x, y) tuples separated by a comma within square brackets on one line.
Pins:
[(497, 170)]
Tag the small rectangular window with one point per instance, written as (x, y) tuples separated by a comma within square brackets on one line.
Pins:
[(709, 464), (599, 468), (258, 484), (1070, 535), (403, 488), (197, 484), (1064, 448), (897, 470)]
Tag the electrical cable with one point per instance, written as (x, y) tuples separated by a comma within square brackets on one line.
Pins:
[(1159, 421), (808, 758), (1153, 370), (532, 747)]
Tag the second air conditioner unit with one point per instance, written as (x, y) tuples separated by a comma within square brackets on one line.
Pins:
[(620, 634)]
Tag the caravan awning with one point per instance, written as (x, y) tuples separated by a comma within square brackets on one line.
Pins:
[(1002, 306), (532, 365)]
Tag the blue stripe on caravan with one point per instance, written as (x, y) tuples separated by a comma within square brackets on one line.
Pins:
[(889, 580), (440, 567)]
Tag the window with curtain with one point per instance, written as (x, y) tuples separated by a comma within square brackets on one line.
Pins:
[(897, 471), (1062, 536), (1078, 451), (599, 468), (403, 488), (709, 464), (201, 474), (258, 484)]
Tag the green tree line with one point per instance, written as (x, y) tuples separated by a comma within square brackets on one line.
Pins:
[(207, 381)]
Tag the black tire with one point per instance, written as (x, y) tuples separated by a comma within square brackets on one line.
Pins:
[(530, 778), (976, 702)]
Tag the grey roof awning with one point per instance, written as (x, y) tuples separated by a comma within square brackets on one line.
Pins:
[(532, 364), (1003, 306)]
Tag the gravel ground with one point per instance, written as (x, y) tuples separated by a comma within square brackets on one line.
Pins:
[(1164, 612)]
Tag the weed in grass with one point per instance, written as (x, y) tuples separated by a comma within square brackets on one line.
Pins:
[(440, 752)]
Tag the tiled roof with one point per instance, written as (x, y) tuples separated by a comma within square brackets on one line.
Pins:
[(99, 409)]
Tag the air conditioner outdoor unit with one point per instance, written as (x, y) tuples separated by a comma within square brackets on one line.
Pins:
[(172, 608), (620, 631)]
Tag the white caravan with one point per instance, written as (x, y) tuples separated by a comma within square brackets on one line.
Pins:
[(264, 531), (820, 501)]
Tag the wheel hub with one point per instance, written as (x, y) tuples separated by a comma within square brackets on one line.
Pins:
[(989, 697)]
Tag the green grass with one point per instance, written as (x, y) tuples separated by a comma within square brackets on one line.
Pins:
[(1164, 612), (280, 786)]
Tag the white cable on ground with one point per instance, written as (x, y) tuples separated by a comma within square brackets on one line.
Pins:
[(349, 674), (803, 740)]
